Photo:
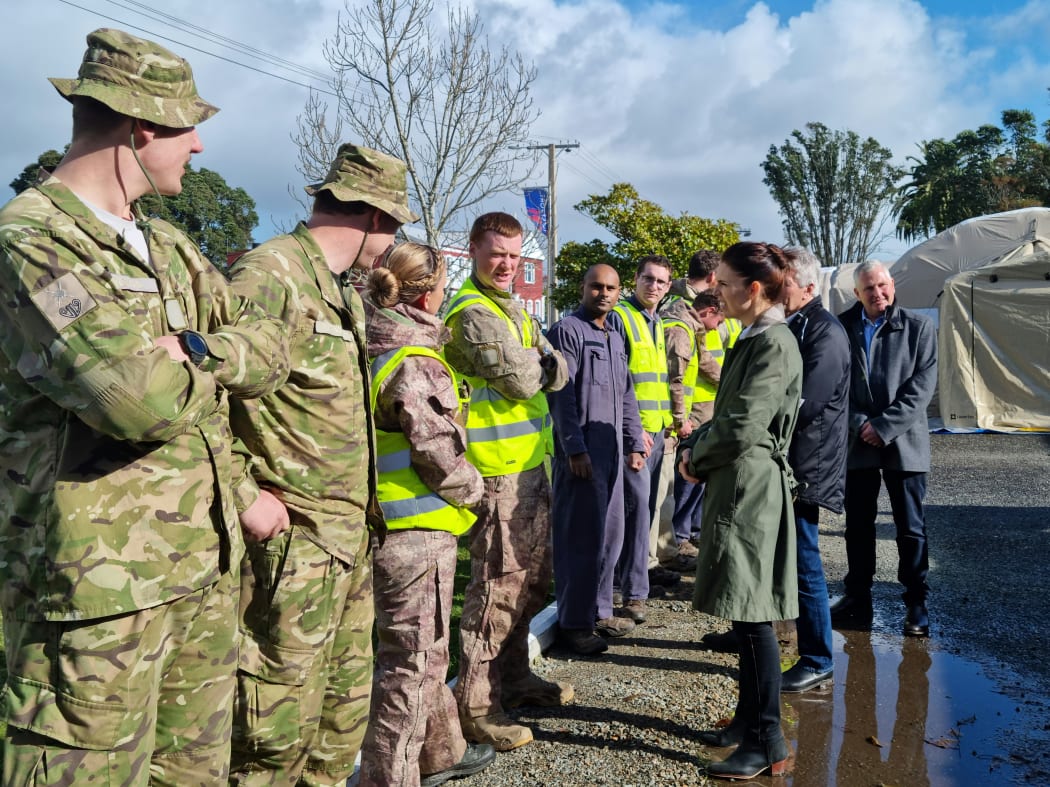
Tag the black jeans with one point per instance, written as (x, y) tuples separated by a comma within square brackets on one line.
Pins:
[(906, 491), (758, 706)]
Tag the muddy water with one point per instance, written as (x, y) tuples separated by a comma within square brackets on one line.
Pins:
[(903, 712)]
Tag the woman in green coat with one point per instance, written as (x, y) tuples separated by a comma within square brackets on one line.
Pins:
[(746, 569)]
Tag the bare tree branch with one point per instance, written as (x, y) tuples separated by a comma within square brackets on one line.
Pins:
[(455, 111)]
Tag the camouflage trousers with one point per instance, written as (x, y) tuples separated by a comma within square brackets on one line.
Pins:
[(414, 726), (136, 699), (510, 576), (305, 665)]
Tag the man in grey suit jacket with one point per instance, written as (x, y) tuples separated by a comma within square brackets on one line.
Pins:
[(893, 375)]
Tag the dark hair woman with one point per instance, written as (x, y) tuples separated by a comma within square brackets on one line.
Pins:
[(746, 568)]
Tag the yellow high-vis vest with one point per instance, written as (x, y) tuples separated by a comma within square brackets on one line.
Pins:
[(691, 369), (406, 501), (504, 436), (705, 389), (648, 367)]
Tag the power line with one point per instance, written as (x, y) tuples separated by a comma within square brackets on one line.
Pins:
[(242, 48)]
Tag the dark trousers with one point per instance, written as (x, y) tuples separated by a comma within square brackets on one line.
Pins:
[(814, 613), (639, 488), (688, 500), (758, 705), (906, 491), (587, 528)]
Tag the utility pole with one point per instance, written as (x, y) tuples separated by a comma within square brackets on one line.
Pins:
[(552, 221)]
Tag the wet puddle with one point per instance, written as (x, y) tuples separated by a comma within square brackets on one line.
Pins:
[(903, 712)]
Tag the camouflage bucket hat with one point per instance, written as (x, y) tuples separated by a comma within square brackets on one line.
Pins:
[(137, 78), (363, 175)]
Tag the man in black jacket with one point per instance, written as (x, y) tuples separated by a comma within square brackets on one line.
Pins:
[(818, 458)]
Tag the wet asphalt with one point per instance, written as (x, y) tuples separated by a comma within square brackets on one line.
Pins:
[(971, 704)]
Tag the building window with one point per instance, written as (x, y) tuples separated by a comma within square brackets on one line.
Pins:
[(528, 306), (530, 273)]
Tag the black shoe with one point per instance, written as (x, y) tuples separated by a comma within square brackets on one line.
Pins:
[(730, 735), (726, 642), (752, 759), (850, 610), (917, 624), (799, 679), (582, 642), (663, 576), (476, 758)]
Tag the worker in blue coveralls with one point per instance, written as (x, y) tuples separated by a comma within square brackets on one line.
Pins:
[(595, 421)]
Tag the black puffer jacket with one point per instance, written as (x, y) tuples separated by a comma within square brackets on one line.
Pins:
[(818, 448)]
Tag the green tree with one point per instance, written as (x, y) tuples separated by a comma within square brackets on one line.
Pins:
[(640, 227), (834, 190), (216, 216), (47, 160), (977, 172)]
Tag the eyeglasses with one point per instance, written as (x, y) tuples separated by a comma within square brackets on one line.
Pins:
[(652, 280)]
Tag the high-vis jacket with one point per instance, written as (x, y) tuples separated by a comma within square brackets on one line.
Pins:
[(406, 501), (691, 369), (504, 435), (648, 366), (705, 390)]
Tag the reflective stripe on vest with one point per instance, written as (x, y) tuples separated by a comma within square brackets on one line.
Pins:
[(692, 367), (648, 366), (504, 436), (406, 501)]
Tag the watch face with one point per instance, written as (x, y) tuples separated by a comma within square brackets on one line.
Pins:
[(195, 344)]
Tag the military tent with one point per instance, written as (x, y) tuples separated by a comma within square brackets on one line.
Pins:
[(994, 339)]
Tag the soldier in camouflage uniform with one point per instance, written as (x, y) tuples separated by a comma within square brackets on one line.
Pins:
[(425, 486), (306, 604), (119, 534), (510, 365)]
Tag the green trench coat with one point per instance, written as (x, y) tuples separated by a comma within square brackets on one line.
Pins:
[(747, 566)]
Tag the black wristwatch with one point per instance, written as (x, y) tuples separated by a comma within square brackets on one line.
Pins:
[(195, 346)]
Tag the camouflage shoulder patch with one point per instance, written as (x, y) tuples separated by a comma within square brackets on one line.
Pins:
[(64, 301)]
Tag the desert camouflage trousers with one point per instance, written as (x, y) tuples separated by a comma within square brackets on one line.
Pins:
[(136, 699), (414, 726), (510, 577), (305, 665)]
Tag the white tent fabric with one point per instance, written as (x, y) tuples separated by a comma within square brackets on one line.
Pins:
[(920, 273), (994, 341)]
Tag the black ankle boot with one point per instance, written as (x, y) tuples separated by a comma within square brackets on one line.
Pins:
[(730, 735), (751, 759)]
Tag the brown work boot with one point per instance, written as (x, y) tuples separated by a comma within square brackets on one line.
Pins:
[(633, 610), (614, 627), (534, 690), (498, 730)]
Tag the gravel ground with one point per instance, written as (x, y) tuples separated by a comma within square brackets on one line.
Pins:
[(637, 708)]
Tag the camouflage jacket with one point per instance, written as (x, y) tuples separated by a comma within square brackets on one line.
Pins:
[(419, 399), (513, 370), (116, 460), (312, 441)]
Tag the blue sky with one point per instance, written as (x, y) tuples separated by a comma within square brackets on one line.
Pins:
[(681, 99)]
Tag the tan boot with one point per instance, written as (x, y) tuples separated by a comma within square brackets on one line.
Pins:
[(534, 690), (499, 730)]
